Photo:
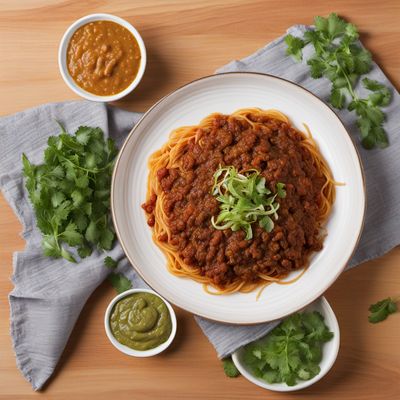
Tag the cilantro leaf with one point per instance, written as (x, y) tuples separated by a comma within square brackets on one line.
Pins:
[(381, 95), (83, 134), (317, 67), (57, 198), (71, 235), (315, 327), (106, 239), (230, 368), (280, 190), (28, 168), (381, 310), (82, 182), (373, 85), (295, 46), (335, 26), (119, 282), (290, 352), (84, 251), (81, 220), (70, 192), (77, 198), (62, 211), (109, 262), (337, 98), (266, 223), (92, 233), (339, 57)]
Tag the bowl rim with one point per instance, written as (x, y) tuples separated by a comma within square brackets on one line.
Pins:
[(62, 59), (333, 327), (215, 76), (127, 350)]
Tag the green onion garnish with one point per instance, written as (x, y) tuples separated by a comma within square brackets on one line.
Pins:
[(244, 199)]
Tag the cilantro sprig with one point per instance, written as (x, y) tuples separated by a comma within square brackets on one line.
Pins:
[(244, 199), (70, 193), (381, 310), (339, 57), (119, 282), (110, 263), (290, 352), (230, 368)]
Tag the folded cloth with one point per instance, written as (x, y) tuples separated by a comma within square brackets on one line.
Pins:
[(50, 293)]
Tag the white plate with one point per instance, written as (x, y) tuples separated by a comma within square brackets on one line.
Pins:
[(226, 93), (330, 351)]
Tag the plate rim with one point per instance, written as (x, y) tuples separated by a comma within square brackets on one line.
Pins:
[(215, 76)]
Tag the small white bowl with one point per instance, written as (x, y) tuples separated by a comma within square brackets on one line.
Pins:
[(127, 350), (62, 57), (330, 351)]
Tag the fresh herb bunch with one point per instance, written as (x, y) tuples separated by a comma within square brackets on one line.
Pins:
[(244, 199), (381, 310), (339, 57), (70, 192), (292, 351)]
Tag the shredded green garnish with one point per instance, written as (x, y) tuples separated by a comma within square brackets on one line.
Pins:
[(244, 199)]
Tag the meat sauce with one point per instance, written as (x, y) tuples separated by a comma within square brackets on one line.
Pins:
[(273, 148)]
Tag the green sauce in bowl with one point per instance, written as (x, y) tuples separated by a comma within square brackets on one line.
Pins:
[(141, 321)]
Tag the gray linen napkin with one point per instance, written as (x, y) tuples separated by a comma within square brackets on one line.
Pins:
[(49, 294)]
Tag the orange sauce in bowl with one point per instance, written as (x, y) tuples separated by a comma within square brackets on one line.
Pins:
[(103, 57)]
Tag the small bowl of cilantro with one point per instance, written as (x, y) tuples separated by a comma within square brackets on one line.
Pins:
[(296, 353)]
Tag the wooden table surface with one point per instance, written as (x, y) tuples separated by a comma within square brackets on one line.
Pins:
[(186, 40)]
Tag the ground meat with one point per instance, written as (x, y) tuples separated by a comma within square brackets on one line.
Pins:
[(274, 149)]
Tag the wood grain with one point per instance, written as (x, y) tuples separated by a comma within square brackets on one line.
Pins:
[(186, 40)]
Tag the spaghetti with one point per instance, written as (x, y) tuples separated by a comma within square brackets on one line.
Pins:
[(179, 202)]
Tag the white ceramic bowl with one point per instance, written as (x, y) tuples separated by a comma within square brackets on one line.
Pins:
[(127, 350), (62, 57), (226, 93), (330, 351)]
